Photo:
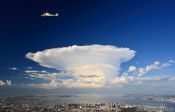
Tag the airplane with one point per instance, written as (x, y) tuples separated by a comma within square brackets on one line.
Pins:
[(47, 14)]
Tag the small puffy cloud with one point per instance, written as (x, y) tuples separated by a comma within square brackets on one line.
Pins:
[(53, 84), (2, 83), (90, 66), (132, 69), (13, 68), (155, 66), (142, 71), (122, 80), (7, 83)]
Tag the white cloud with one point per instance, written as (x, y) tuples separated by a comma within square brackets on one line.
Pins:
[(2, 83), (165, 65), (132, 69), (53, 84), (127, 78), (171, 61), (32, 71), (7, 83), (124, 80), (155, 66), (45, 75), (90, 66), (13, 68)]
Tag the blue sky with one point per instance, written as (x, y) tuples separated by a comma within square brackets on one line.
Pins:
[(144, 26)]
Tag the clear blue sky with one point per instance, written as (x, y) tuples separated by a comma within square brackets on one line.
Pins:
[(146, 26)]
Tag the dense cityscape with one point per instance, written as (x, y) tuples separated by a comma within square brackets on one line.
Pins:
[(34, 105)]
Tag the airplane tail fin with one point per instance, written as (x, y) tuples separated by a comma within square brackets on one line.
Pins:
[(56, 14)]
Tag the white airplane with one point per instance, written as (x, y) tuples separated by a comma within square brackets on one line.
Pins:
[(47, 14)]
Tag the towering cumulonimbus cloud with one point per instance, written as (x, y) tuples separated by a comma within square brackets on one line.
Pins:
[(90, 65)]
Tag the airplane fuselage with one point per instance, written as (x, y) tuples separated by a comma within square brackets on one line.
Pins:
[(49, 14)]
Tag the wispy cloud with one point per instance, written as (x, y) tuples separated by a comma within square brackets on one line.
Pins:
[(45, 75), (155, 66), (52, 85), (54, 78), (13, 68), (124, 80)]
